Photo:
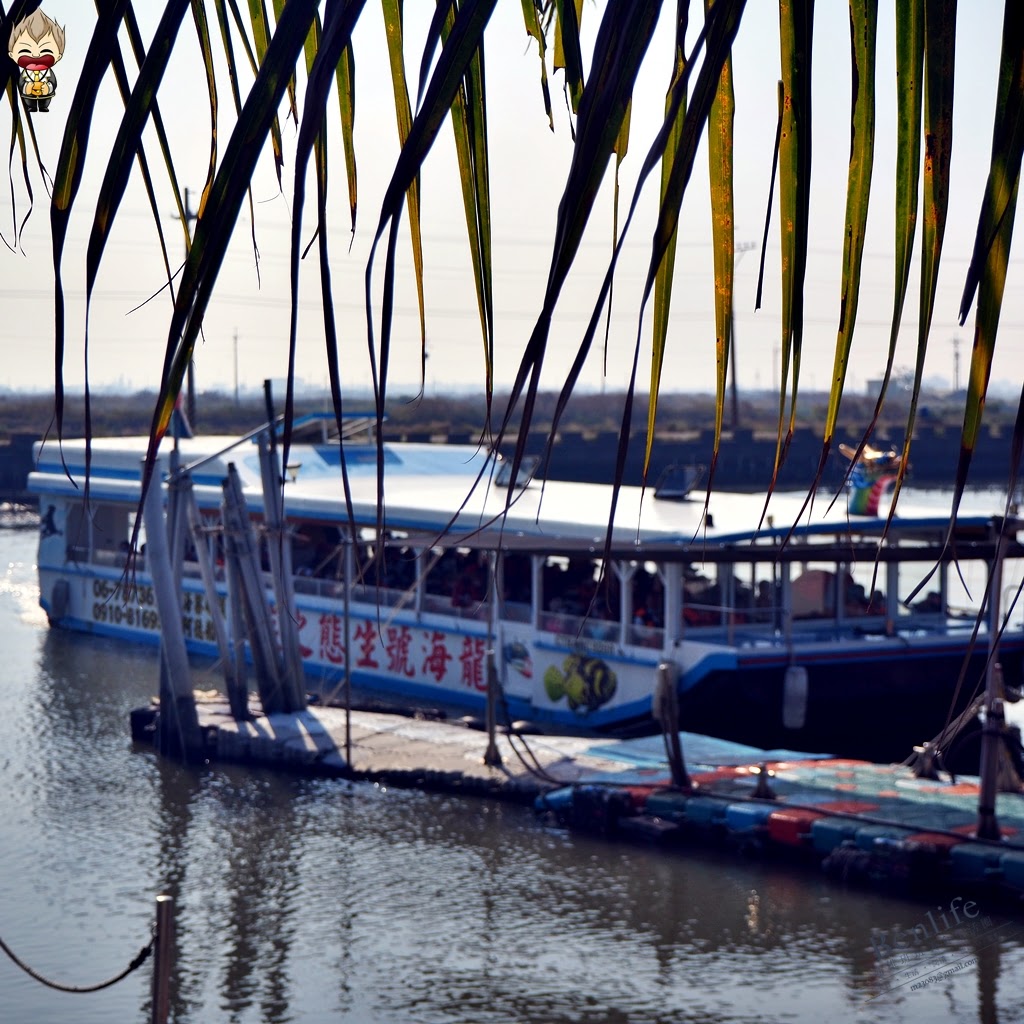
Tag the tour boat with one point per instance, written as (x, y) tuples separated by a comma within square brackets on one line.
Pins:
[(785, 628)]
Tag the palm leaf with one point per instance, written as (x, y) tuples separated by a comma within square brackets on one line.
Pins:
[(723, 242), (469, 124), (1000, 195), (666, 269), (127, 146), (534, 30), (346, 82), (260, 21), (622, 54), (18, 141), (995, 227), (568, 55), (796, 19), (70, 166), (939, 35), (459, 50), (909, 69), (337, 34), (1006, 148), (622, 40), (236, 97), (393, 23), (863, 21), (293, 107), (213, 228)]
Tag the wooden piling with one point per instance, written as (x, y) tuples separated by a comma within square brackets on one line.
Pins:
[(163, 959), (179, 724)]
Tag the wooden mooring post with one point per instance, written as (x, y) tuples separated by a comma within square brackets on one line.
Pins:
[(178, 729), (163, 959)]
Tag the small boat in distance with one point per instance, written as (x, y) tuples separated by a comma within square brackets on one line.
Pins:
[(793, 635)]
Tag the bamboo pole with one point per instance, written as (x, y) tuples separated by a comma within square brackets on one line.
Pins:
[(179, 724), (279, 550), (238, 698), (242, 549), (236, 609)]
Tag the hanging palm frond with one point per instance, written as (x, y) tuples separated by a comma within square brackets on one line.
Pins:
[(295, 59)]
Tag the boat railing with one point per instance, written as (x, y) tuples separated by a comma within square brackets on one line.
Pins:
[(517, 611), (645, 636), (442, 604), (566, 624)]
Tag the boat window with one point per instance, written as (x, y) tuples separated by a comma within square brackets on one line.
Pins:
[(813, 590), (457, 581), (766, 594), (578, 598), (77, 533), (716, 595), (111, 533), (648, 598), (703, 601), (516, 587), (944, 593), (317, 551)]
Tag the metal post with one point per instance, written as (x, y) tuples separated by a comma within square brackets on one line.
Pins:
[(163, 959), (665, 708), (350, 568), (492, 756), (992, 734)]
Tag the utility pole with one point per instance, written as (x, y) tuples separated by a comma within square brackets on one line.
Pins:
[(956, 365), (190, 395), (236, 368), (740, 249)]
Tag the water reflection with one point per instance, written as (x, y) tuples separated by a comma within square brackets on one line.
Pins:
[(316, 901)]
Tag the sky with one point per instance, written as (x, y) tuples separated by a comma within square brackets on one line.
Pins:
[(246, 329)]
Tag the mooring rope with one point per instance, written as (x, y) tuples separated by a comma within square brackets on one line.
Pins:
[(137, 962)]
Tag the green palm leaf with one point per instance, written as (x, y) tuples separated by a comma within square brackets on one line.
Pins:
[(939, 42), (796, 19), (568, 55), (469, 124), (863, 20), (393, 23), (720, 28), (909, 69), (337, 34), (536, 32), (213, 227), (622, 40), (68, 179), (723, 242), (995, 231), (666, 269)]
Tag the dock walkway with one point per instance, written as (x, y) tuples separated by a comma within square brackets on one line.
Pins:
[(858, 820)]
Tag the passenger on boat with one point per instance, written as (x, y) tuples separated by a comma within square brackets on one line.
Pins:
[(931, 602), (470, 587)]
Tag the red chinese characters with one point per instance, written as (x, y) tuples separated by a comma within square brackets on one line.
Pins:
[(399, 640), (436, 662), (332, 645), (366, 640), (472, 660)]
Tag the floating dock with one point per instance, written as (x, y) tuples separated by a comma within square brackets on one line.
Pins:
[(859, 821)]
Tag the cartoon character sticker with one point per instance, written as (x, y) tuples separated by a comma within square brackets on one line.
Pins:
[(37, 43)]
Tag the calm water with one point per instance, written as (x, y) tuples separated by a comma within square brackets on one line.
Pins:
[(313, 901)]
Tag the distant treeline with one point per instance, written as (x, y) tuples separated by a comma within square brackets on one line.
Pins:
[(588, 435)]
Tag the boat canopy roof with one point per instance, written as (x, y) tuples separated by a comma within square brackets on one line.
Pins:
[(434, 490)]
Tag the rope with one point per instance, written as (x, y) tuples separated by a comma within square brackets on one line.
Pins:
[(137, 962)]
